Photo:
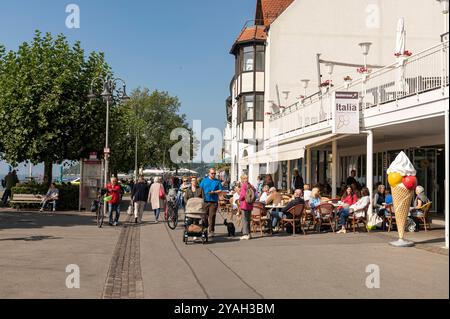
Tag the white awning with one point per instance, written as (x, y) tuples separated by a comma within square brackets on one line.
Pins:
[(296, 150), (286, 152)]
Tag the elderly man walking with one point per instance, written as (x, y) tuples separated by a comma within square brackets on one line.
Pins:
[(114, 190), (211, 189), (139, 195)]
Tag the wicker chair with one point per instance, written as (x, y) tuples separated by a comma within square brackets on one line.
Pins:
[(259, 218), (391, 218), (423, 218), (326, 215), (357, 221), (297, 213)]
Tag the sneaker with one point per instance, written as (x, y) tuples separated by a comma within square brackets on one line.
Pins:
[(41, 210), (116, 223), (245, 237), (342, 231)]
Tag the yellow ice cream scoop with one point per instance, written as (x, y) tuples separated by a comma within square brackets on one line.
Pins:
[(394, 179)]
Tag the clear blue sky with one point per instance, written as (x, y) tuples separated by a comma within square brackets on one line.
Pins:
[(175, 45)]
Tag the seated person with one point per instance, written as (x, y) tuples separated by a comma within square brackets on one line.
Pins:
[(358, 207), (284, 213), (420, 200), (235, 198), (274, 197), (51, 196), (264, 194), (306, 192), (388, 197), (379, 200), (315, 201), (349, 198)]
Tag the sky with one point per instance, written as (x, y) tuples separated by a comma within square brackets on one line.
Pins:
[(179, 46)]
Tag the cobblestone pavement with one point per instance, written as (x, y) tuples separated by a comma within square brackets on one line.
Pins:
[(124, 279)]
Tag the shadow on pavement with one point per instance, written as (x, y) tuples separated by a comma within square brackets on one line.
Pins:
[(31, 238), (30, 220)]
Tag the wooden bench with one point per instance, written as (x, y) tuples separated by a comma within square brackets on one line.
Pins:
[(26, 199)]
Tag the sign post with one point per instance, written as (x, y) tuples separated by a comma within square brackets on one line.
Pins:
[(346, 113)]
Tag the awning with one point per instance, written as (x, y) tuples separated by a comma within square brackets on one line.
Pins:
[(288, 151), (297, 149)]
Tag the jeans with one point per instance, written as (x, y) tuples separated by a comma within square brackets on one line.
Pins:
[(276, 216), (116, 208), (157, 213), (52, 201), (343, 216), (246, 218)]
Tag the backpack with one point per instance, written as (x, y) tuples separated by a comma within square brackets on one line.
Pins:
[(250, 196)]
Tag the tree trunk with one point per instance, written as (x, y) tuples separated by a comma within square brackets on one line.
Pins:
[(48, 173)]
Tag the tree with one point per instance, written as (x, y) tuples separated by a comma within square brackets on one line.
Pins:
[(45, 115), (154, 115)]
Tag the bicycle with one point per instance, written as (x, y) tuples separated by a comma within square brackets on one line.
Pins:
[(98, 207), (174, 202)]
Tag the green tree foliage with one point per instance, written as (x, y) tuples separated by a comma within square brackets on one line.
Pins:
[(153, 116), (45, 115)]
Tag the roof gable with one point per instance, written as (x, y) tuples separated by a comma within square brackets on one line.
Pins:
[(267, 11)]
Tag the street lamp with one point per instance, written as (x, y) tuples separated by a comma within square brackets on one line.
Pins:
[(305, 85), (445, 7), (365, 47), (109, 89)]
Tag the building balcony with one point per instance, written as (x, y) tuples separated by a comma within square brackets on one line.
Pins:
[(414, 81)]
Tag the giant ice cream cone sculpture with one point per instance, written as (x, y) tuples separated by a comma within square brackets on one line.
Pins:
[(402, 179)]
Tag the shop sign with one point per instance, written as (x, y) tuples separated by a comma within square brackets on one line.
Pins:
[(346, 113)]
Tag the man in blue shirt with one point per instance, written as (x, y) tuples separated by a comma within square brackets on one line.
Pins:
[(211, 188)]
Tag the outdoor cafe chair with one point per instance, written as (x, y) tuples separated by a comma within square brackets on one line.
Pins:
[(308, 218), (326, 216), (297, 213), (259, 218), (423, 218), (390, 219), (356, 221)]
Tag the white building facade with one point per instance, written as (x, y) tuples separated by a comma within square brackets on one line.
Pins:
[(402, 96)]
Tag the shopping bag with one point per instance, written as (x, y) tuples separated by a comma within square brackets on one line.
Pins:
[(130, 209)]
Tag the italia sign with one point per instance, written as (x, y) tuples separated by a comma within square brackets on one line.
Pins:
[(346, 113)]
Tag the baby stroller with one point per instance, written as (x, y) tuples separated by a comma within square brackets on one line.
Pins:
[(195, 223)]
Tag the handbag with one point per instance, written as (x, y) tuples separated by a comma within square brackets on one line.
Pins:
[(162, 194)]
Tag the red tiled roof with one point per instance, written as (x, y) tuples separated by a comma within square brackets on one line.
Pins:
[(252, 33), (268, 10)]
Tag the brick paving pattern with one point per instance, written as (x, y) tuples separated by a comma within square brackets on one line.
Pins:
[(124, 279)]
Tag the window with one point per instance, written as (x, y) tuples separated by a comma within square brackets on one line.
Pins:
[(246, 107), (248, 57), (259, 107), (249, 104), (260, 58)]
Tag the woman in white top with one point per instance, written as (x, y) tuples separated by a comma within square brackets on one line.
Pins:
[(236, 195), (264, 195), (358, 208)]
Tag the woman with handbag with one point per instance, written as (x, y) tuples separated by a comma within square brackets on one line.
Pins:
[(156, 197)]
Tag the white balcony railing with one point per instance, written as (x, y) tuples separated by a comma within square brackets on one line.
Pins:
[(413, 75)]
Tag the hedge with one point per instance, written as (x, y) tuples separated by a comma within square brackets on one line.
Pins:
[(68, 195)]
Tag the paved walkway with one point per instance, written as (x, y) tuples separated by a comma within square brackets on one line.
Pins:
[(151, 261)]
